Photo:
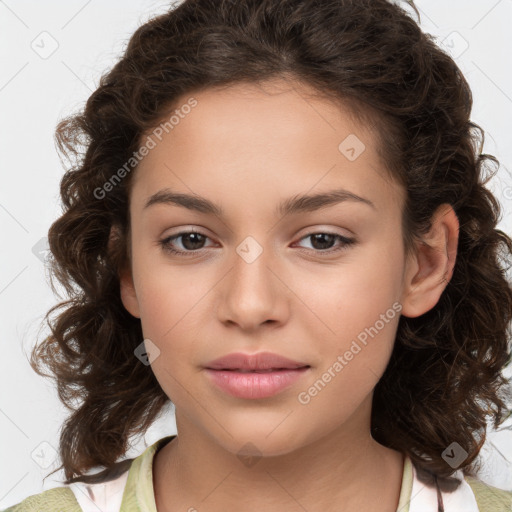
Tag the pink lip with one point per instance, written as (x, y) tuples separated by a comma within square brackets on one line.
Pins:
[(254, 376), (259, 361), (254, 385)]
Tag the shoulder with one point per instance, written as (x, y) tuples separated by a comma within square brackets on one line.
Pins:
[(488, 497), (59, 498), (121, 487)]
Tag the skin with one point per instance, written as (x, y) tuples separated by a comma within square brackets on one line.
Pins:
[(247, 148)]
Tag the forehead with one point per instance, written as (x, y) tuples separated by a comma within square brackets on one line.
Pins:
[(248, 139)]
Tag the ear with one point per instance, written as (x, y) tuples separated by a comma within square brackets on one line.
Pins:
[(430, 269), (128, 295), (127, 288)]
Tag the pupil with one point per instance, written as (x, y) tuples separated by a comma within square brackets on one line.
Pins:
[(322, 236), (191, 235)]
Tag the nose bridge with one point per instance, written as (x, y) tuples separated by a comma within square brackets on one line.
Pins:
[(250, 270), (250, 294)]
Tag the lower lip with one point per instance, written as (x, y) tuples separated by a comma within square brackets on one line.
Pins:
[(255, 385)]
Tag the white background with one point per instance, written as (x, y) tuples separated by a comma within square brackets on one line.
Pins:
[(36, 92)]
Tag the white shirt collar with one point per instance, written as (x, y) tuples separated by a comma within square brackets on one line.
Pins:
[(424, 497)]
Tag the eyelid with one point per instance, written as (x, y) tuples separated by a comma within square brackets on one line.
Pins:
[(325, 228)]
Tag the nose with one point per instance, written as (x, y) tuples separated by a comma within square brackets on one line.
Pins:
[(254, 291)]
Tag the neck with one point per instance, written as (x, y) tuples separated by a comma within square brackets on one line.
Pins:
[(340, 471)]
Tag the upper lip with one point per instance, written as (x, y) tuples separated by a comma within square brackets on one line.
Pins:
[(259, 361)]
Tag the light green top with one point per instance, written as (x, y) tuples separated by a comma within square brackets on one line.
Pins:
[(138, 495)]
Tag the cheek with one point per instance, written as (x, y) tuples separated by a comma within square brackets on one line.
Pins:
[(173, 303), (354, 295), (169, 319), (168, 298), (353, 351), (354, 313)]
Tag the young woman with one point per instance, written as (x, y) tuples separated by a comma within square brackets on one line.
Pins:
[(279, 224)]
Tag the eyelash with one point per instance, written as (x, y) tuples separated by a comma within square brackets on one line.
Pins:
[(165, 243)]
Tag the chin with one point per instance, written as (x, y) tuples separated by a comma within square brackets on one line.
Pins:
[(262, 440)]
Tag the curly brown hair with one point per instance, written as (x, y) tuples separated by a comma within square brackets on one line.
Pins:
[(444, 379)]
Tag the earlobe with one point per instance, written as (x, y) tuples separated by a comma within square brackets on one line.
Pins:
[(429, 271)]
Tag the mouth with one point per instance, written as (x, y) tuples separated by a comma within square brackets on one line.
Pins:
[(254, 376), (255, 384)]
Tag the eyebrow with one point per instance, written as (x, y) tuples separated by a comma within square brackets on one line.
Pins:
[(290, 206)]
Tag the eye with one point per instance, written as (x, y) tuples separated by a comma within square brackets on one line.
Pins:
[(322, 242), (192, 242)]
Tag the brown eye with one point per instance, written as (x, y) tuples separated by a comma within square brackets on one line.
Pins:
[(323, 242), (191, 241)]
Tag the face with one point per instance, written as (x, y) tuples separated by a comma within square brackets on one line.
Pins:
[(320, 283)]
